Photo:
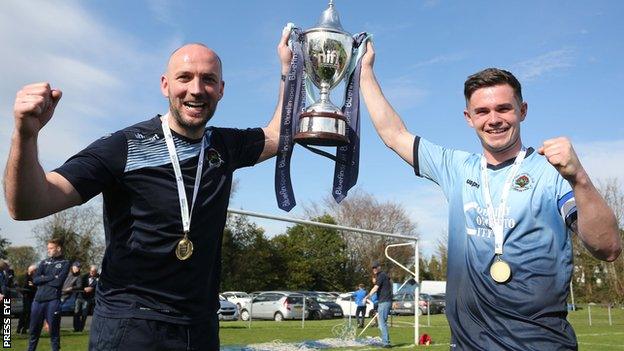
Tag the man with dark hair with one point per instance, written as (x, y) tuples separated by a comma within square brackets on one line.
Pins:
[(49, 278), (160, 276), (383, 288), (511, 214)]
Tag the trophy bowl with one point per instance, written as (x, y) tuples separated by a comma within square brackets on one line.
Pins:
[(327, 51)]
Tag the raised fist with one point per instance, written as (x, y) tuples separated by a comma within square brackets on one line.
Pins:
[(34, 106)]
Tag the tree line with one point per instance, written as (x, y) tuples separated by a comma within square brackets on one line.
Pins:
[(307, 257)]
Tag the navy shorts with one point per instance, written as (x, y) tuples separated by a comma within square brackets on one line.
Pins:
[(130, 334)]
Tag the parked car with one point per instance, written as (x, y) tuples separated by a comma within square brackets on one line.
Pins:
[(227, 310), (441, 300), (321, 306), (67, 306), (276, 305), (313, 308), (347, 303), (239, 298), (403, 304)]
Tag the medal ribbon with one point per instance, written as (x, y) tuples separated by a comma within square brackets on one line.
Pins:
[(175, 162), (496, 219)]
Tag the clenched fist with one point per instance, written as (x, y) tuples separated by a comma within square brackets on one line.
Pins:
[(560, 153), (34, 106)]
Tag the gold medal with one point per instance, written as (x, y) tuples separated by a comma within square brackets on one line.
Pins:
[(500, 271), (184, 249)]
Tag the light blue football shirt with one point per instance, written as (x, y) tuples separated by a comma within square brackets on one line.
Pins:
[(529, 311)]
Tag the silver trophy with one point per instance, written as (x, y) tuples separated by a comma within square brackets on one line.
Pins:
[(327, 51)]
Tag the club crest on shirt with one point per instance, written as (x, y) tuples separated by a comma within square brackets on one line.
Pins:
[(214, 158), (58, 265), (522, 182)]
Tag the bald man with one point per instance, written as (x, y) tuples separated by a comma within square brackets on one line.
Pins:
[(166, 184)]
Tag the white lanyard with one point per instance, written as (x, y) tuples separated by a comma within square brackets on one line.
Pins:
[(186, 214), (496, 219)]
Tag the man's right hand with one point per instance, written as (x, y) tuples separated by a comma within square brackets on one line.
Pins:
[(368, 60), (34, 106)]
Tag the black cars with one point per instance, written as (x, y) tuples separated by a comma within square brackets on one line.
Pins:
[(321, 306), (403, 304)]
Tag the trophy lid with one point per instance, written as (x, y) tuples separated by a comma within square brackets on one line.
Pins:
[(330, 19)]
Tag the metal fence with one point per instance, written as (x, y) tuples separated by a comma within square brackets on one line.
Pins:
[(597, 314)]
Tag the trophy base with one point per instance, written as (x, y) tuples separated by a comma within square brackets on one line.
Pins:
[(322, 129)]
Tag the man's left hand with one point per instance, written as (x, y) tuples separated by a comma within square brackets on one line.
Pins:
[(560, 153)]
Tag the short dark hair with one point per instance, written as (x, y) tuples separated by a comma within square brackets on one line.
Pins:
[(490, 77), (56, 241)]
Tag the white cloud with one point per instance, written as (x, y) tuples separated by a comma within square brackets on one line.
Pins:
[(603, 159), (534, 68), (65, 44), (426, 205)]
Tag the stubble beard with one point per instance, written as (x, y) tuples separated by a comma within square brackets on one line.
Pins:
[(190, 127)]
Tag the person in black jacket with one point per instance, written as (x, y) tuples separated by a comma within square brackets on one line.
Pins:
[(49, 279), (28, 294), (81, 306)]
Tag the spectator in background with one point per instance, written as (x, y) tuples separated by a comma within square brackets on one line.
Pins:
[(3, 280), (49, 278), (360, 301), (85, 292), (71, 282), (9, 275), (28, 294), (92, 282), (383, 288)]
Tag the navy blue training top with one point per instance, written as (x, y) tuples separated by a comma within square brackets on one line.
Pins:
[(49, 278), (141, 276), (384, 292)]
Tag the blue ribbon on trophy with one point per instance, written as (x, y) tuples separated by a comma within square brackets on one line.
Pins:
[(328, 54)]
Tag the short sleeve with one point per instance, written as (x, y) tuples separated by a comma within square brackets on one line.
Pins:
[(437, 163), (566, 204), (96, 167), (244, 146)]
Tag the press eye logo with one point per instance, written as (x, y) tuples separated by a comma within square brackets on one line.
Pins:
[(522, 182), (6, 323), (214, 159)]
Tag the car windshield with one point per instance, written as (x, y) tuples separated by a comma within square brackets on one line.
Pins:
[(294, 300), (242, 295), (325, 298)]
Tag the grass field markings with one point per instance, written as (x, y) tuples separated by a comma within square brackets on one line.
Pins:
[(601, 334)]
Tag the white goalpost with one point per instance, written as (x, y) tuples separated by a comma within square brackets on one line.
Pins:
[(413, 241)]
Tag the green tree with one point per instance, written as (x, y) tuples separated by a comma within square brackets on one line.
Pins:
[(363, 211), (249, 261), (81, 230), (315, 258), (594, 280), (21, 257)]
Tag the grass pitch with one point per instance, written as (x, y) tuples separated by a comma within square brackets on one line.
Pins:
[(599, 336)]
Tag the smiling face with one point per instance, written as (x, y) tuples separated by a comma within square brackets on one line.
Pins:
[(194, 87), (495, 113)]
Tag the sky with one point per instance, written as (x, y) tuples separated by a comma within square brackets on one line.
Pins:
[(107, 58)]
